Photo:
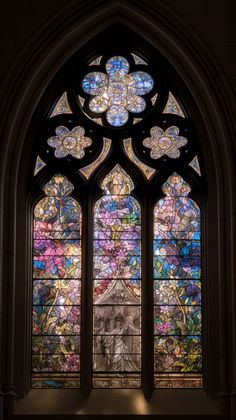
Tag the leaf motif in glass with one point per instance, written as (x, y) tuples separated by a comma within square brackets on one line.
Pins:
[(177, 288), (56, 287)]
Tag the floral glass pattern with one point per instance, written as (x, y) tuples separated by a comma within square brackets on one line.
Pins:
[(177, 288), (117, 285), (68, 142), (165, 142), (118, 92), (56, 287)]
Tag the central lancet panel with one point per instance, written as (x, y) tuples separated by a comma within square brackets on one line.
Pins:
[(117, 285)]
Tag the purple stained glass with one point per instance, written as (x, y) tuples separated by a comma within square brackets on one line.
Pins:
[(177, 320), (52, 319), (56, 288), (177, 292), (64, 344), (117, 283), (56, 292), (177, 287), (174, 266), (56, 363)]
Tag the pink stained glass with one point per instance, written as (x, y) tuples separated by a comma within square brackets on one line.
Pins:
[(177, 288), (56, 288), (117, 281)]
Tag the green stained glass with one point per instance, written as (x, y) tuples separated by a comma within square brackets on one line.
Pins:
[(56, 288), (177, 288)]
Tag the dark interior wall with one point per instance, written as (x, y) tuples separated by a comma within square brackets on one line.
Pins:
[(212, 20)]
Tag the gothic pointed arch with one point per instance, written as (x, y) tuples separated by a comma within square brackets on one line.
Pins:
[(54, 45)]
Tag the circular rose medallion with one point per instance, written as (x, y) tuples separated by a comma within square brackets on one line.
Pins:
[(69, 142), (117, 93), (164, 143)]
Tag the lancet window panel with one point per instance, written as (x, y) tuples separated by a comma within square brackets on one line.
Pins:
[(177, 288), (56, 287), (117, 285)]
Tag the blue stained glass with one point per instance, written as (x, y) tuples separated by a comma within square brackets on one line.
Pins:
[(117, 66), (118, 92), (177, 290), (117, 116), (142, 82), (93, 83)]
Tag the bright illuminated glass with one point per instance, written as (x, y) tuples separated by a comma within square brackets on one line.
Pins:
[(177, 288), (117, 285), (56, 288), (118, 92)]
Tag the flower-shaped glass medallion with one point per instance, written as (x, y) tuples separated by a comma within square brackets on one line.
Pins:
[(118, 92), (165, 142), (69, 142)]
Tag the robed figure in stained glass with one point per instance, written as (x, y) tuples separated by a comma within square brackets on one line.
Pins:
[(117, 311)]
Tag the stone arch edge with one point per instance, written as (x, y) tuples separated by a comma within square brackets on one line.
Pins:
[(158, 25)]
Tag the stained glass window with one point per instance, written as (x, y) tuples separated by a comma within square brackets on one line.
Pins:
[(173, 107), (88, 170), (195, 165), (62, 106), (39, 164), (117, 131), (146, 170), (117, 285), (56, 287), (117, 92), (177, 288)]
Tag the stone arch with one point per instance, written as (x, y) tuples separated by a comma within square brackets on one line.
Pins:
[(70, 29)]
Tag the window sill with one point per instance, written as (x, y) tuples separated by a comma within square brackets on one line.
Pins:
[(178, 402)]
